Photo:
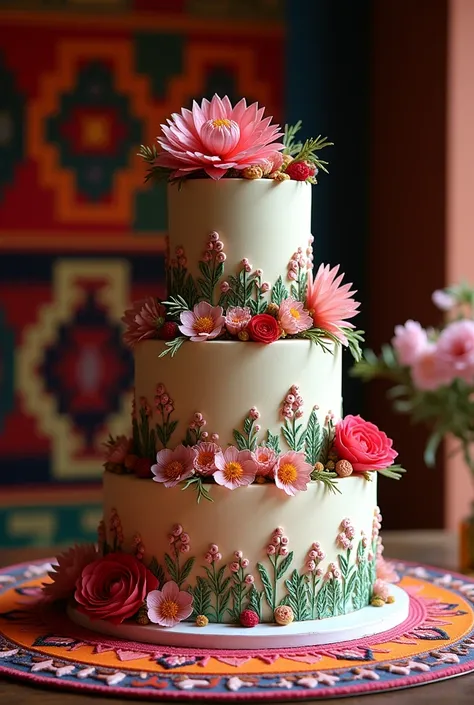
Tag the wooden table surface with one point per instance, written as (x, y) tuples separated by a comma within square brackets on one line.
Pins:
[(435, 548)]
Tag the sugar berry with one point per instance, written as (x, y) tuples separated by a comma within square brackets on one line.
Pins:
[(249, 618), (168, 331), (142, 468), (299, 171)]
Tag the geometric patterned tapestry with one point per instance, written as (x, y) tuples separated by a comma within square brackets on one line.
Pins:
[(80, 234)]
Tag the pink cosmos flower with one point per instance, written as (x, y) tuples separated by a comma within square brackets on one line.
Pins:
[(409, 342), (235, 468), (216, 137), (173, 466), (329, 303), (67, 570), (265, 458), (293, 317), (143, 320), (204, 322), (455, 347), (430, 371), (169, 605), (237, 319), (205, 456), (292, 472)]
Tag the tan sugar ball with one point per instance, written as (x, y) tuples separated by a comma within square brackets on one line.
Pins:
[(252, 172), (283, 615), (390, 599), (273, 310), (344, 468), (319, 467), (142, 617), (202, 620), (377, 602), (280, 176), (287, 158)]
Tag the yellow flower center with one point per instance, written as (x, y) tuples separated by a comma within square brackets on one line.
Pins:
[(169, 609), (287, 473), (295, 313), (221, 122), (174, 470), (203, 324), (233, 471), (205, 457)]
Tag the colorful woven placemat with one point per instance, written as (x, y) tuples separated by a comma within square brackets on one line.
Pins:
[(43, 646)]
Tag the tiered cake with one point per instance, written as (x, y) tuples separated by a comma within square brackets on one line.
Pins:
[(242, 496)]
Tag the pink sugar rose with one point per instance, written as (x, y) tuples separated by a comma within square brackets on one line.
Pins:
[(235, 468), (455, 347), (169, 605), (293, 317), (173, 466), (430, 371), (237, 319), (265, 458), (113, 587), (292, 472), (363, 444), (409, 342), (204, 322), (205, 456), (67, 570)]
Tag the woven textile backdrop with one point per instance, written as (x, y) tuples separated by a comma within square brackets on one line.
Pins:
[(80, 235)]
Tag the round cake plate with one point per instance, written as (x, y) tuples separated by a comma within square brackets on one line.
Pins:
[(368, 621)]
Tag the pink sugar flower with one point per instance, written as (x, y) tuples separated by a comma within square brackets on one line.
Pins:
[(169, 605), (118, 450), (292, 472), (409, 342), (386, 571), (205, 456), (173, 466), (455, 347), (330, 303), (216, 137), (67, 569), (204, 322), (430, 371), (381, 589), (265, 458), (235, 468), (293, 317), (443, 300), (143, 320), (237, 318)]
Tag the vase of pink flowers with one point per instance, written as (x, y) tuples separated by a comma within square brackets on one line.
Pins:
[(432, 376)]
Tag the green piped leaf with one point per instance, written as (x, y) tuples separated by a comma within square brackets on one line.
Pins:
[(279, 292), (313, 439), (284, 565), (273, 442), (172, 568), (158, 571), (240, 440), (297, 597), (172, 346), (186, 569), (267, 585), (201, 598), (255, 600)]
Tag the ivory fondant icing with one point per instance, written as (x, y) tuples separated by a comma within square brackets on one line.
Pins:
[(245, 520), (263, 221), (224, 379)]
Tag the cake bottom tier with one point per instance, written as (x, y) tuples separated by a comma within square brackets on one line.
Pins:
[(254, 547)]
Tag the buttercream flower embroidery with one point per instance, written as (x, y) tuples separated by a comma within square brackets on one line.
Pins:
[(143, 320), (293, 317), (235, 468), (169, 605), (329, 302), (67, 570), (205, 457), (215, 137), (292, 472), (204, 322), (173, 466), (237, 318)]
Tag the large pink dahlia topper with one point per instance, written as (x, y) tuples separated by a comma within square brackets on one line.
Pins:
[(215, 137), (331, 303)]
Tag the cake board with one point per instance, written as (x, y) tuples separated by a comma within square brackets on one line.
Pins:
[(40, 645)]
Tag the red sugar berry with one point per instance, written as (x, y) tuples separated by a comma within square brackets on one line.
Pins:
[(299, 171), (249, 618), (142, 468), (169, 330), (313, 167)]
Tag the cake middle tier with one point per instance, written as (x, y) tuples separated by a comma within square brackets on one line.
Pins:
[(224, 380)]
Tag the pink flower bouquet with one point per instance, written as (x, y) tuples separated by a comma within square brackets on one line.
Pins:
[(433, 371)]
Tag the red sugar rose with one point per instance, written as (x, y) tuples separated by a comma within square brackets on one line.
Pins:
[(263, 328), (113, 587), (363, 445)]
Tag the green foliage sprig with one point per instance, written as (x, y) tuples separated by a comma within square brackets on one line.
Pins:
[(305, 151)]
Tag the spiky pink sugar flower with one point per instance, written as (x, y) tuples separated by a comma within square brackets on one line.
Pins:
[(173, 466), (235, 468), (169, 605), (293, 317), (292, 472), (215, 137), (237, 318), (204, 322), (205, 457), (69, 566), (143, 320), (330, 303)]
